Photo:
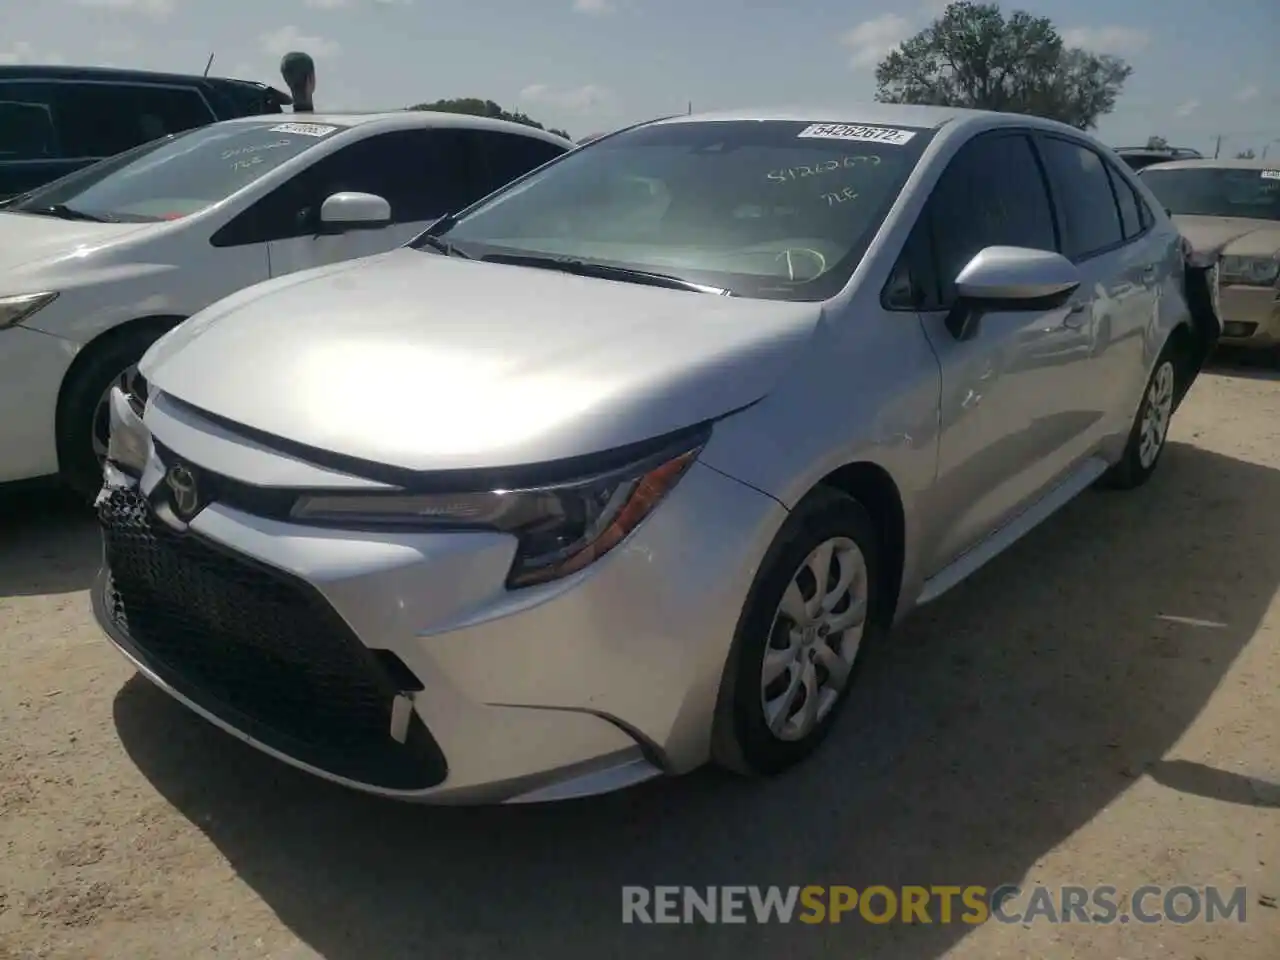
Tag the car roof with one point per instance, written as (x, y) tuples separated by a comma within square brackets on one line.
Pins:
[(406, 120), (1223, 164), (121, 75), (883, 114)]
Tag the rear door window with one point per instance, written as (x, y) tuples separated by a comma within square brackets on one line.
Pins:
[(1086, 203), (1131, 219)]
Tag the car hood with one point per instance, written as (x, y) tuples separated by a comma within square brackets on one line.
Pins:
[(425, 362), (1230, 236), (27, 239)]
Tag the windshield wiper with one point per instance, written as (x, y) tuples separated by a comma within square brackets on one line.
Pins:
[(63, 212), (430, 237), (443, 246), (603, 271)]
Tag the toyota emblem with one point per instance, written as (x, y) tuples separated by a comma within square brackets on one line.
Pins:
[(184, 491)]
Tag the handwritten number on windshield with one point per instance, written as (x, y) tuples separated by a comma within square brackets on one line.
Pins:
[(256, 149), (799, 172), (840, 196)]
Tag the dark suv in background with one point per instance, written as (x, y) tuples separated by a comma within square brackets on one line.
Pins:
[(55, 120)]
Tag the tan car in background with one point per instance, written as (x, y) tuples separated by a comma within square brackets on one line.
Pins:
[(1229, 210)]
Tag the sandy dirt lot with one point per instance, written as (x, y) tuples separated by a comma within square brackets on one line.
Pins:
[(1099, 706)]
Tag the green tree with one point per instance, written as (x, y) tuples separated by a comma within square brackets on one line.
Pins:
[(973, 56), (1157, 143), (1248, 154), (474, 106)]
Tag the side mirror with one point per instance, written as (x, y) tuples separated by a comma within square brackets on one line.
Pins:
[(354, 211), (1010, 278)]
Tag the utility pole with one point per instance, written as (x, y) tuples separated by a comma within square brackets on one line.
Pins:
[(1217, 147), (690, 110)]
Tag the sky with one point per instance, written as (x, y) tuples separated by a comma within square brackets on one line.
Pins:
[(593, 65)]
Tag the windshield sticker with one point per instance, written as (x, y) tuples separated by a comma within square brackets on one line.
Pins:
[(857, 133), (304, 129), (787, 174), (840, 196), (1271, 174)]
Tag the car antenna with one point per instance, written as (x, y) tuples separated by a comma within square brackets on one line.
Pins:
[(208, 64)]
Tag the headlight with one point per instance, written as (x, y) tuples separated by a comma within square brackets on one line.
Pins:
[(129, 443), (1255, 271), (15, 309), (561, 529)]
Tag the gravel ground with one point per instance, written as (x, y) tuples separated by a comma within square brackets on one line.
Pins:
[(1100, 705)]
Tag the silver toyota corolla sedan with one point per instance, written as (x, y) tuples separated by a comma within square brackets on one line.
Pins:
[(618, 471)]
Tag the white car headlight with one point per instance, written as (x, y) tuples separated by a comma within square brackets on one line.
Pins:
[(561, 528), (15, 309), (1255, 271)]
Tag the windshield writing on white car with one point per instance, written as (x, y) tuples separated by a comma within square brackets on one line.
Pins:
[(177, 176), (818, 168), (766, 209)]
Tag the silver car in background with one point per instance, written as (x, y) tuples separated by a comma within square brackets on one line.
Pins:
[(619, 471)]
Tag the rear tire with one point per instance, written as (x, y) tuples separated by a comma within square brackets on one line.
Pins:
[(81, 415), (798, 646), (1150, 432)]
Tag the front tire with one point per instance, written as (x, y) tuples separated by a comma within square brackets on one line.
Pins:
[(811, 612), (1150, 432), (82, 411)]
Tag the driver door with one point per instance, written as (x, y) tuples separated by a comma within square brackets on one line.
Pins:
[(1012, 395), (422, 174)]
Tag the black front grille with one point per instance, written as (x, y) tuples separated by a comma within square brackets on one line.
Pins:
[(257, 648)]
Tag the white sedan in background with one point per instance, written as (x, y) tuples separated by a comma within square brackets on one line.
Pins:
[(96, 266)]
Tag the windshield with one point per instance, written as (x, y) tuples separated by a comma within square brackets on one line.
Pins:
[(773, 209), (1251, 194), (178, 175)]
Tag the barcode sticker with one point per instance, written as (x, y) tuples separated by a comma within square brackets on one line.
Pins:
[(857, 133), (304, 129)]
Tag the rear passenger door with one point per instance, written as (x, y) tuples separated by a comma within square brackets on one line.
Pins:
[(1014, 396), (1103, 223)]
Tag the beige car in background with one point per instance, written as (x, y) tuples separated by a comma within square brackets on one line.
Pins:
[(1230, 210)]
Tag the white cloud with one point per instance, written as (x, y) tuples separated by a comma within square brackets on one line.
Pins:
[(1248, 93), (1188, 108), (594, 7), (870, 40), (281, 41), (1108, 39), (325, 4), (577, 99), (23, 52), (151, 8)]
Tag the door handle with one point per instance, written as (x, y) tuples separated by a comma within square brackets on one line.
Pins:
[(1075, 317)]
